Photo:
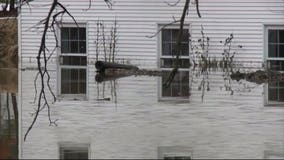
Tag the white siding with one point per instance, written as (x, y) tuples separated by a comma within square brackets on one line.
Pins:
[(138, 19)]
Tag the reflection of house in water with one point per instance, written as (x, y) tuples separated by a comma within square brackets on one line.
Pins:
[(131, 117), (274, 94), (8, 126)]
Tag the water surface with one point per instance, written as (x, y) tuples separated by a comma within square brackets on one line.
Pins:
[(201, 115)]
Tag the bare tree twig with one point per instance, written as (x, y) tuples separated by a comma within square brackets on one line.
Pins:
[(174, 4)]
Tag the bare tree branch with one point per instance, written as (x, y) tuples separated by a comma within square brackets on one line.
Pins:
[(174, 4)]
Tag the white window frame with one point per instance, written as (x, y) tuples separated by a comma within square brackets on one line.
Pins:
[(181, 99), (71, 96)]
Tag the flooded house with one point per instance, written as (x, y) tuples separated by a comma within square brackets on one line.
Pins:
[(203, 113)]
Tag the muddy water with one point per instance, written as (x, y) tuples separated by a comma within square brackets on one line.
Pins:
[(8, 113), (201, 115)]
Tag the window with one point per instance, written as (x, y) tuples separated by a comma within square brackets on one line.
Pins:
[(175, 153), (73, 61), (168, 48), (275, 93), (74, 151), (275, 61), (179, 88), (275, 48)]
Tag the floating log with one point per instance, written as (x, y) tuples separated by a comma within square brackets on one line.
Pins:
[(102, 66)]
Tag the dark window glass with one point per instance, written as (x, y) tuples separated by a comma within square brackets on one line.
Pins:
[(74, 47), (177, 158), (281, 94), (82, 34), (82, 47), (272, 94), (166, 48), (185, 36), (73, 81), (74, 34), (179, 86), (168, 62), (65, 33), (272, 36), (281, 36), (276, 91), (281, 50), (273, 50), (276, 65), (166, 35), (65, 48), (73, 40), (74, 60), (174, 35), (73, 153)]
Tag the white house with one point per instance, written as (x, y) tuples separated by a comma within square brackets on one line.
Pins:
[(145, 120)]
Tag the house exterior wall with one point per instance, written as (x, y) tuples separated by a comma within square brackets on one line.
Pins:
[(134, 128), (136, 20)]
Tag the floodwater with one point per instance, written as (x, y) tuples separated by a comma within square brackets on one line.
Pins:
[(202, 114), (8, 113)]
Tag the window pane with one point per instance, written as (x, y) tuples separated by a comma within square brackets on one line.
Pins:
[(82, 33), (166, 49), (184, 49), (166, 63), (179, 86), (273, 50), (65, 33), (65, 80), (74, 34), (174, 35), (281, 95), (73, 81), (82, 47), (74, 47), (73, 152), (281, 36), (281, 50), (272, 36), (166, 35), (65, 47), (276, 65), (185, 35), (272, 94), (74, 60)]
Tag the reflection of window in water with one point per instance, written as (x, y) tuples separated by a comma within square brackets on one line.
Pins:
[(273, 155), (275, 93), (275, 47), (175, 153), (73, 61), (75, 151), (179, 86)]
